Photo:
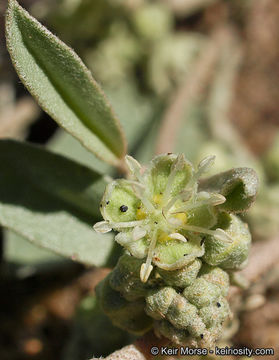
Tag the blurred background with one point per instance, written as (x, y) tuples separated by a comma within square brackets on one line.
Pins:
[(194, 76)]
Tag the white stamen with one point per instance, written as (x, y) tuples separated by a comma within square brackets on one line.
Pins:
[(138, 233), (135, 183), (102, 227), (145, 271), (218, 233), (177, 236), (184, 196), (134, 167), (147, 267), (140, 194), (203, 196), (205, 165), (139, 190), (217, 199), (209, 199)]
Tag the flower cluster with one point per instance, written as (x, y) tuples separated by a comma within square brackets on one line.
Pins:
[(182, 237), (160, 213)]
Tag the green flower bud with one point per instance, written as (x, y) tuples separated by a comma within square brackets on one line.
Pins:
[(229, 255)]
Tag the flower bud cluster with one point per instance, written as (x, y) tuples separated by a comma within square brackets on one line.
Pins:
[(182, 239), (187, 305)]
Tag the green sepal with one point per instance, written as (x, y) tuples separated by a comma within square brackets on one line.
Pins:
[(174, 254), (239, 186), (204, 216), (160, 172), (137, 248), (117, 194)]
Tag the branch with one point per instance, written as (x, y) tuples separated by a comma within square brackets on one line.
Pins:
[(190, 90)]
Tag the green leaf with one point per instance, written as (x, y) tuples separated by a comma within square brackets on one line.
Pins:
[(62, 85), (126, 100), (19, 251), (239, 186), (52, 202)]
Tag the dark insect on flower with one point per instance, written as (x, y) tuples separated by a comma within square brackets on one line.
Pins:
[(123, 208)]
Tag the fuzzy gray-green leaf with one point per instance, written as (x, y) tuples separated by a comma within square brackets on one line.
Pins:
[(62, 85), (239, 186), (52, 202)]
